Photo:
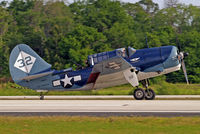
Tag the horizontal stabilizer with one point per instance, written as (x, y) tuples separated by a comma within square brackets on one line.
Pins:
[(31, 77), (62, 71)]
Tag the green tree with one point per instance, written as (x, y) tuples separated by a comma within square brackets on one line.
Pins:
[(65, 34), (5, 20), (41, 26), (100, 14), (163, 36), (120, 35), (142, 13), (80, 43)]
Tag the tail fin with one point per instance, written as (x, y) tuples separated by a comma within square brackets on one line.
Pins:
[(24, 62)]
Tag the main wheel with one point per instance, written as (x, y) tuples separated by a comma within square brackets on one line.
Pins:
[(149, 94), (139, 94)]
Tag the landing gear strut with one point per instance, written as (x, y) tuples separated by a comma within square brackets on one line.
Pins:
[(140, 94)]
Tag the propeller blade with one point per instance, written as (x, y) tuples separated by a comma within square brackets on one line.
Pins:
[(184, 70)]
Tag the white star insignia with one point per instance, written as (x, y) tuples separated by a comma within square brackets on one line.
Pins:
[(67, 80)]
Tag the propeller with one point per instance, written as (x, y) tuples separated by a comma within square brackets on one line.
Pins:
[(181, 57)]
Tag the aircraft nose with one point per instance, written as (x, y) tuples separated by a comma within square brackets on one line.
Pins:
[(171, 56)]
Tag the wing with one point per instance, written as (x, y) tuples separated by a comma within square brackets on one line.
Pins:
[(111, 65), (114, 71)]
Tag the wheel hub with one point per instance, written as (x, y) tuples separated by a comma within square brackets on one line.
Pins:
[(139, 94)]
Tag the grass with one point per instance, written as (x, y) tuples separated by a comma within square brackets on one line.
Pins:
[(164, 88), (99, 125)]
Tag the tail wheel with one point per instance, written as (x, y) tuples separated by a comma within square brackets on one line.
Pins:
[(139, 94), (149, 94)]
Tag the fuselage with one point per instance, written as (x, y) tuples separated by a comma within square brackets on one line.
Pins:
[(149, 62)]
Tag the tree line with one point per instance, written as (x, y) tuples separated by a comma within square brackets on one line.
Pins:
[(64, 34)]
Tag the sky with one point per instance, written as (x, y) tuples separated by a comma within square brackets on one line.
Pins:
[(160, 2)]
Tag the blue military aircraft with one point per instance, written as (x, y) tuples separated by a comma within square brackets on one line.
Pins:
[(106, 69)]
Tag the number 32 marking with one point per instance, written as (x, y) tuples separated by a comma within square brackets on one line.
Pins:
[(25, 61)]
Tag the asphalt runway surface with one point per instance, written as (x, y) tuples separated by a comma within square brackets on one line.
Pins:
[(165, 108)]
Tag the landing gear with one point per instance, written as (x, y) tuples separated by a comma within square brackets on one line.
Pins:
[(42, 93), (140, 94), (41, 96)]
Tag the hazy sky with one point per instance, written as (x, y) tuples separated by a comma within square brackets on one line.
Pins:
[(160, 2)]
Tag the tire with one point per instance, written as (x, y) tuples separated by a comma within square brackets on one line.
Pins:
[(139, 94), (149, 94), (42, 97)]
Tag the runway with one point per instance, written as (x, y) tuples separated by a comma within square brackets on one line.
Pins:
[(101, 107)]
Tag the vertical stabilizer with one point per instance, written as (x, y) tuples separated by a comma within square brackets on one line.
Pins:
[(24, 62)]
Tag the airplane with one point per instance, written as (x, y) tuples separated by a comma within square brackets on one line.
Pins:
[(106, 69)]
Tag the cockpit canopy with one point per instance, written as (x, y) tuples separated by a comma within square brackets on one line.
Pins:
[(123, 52), (131, 51)]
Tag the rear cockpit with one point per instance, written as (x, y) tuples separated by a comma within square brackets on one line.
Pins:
[(123, 52)]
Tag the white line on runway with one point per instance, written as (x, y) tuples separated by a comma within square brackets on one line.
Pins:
[(100, 97)]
